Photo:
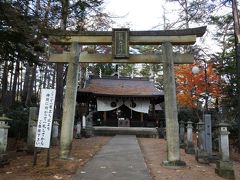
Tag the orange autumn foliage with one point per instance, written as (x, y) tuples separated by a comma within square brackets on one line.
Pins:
[(191, 86)]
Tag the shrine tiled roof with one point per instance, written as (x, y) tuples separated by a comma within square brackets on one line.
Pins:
[(122, 86)]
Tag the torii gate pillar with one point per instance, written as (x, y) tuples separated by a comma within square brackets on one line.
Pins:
[(69, 103), (171, 114)]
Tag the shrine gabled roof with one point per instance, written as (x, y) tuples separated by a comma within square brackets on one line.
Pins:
[(123, 86)]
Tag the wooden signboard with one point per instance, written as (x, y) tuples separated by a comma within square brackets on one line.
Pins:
[(44, 125)]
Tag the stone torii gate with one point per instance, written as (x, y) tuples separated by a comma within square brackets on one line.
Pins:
[(120, 39)]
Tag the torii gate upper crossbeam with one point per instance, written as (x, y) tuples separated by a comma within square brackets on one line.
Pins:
[(176, 37)]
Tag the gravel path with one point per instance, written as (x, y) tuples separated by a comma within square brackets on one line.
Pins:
[(154, 151)]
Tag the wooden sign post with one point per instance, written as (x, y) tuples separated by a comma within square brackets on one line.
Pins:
[(44, 124)]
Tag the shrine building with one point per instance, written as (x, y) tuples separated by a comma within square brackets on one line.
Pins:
[(121, 102)]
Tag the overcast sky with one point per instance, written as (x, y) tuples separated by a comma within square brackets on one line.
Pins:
[(145, 14), (142, 15), (148, 15)]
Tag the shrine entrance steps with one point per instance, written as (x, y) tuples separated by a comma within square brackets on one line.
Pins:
[(121, 158), (137, 131)]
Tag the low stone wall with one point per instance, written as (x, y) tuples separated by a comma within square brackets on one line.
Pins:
[(138, 131)]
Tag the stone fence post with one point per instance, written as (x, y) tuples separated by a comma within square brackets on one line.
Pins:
[(78, 130), (181, 134), (189, 149), (208, 134), (55, 133), (32, 127), (3, 139), (201, 153)]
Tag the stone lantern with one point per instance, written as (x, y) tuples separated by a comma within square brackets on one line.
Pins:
[(224, 166), (3, 139)]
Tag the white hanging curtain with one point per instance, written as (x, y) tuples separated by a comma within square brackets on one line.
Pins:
[(108, 104), (138, 105)]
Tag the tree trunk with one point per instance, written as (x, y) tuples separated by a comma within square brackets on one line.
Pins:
[(21, 82), (26, 82), (11, 76), (53, 79), (47, 12), (35, 83), (15, 79), (82, 75), (59, 67), (30, 86), (59, 91), (4, 79), (45, 77), (237, 49), (5, 86)]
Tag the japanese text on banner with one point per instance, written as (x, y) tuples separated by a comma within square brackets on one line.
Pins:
[(44, 125)]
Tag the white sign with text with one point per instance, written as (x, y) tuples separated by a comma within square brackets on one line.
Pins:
[(44, 125)]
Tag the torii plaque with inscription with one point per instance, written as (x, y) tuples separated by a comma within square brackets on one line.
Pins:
[(120, 43)]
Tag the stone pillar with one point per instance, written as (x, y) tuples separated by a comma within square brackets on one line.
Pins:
[(78, 127), (171, 114), (69, 103), (3, 139), (189, 149), (208, 134), (224, 166), (55, 133), (181, 134), (32, 127), (89, 125), (201, 153), (201, 135)]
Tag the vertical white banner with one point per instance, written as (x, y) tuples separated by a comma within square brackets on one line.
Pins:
[(44, 125)]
